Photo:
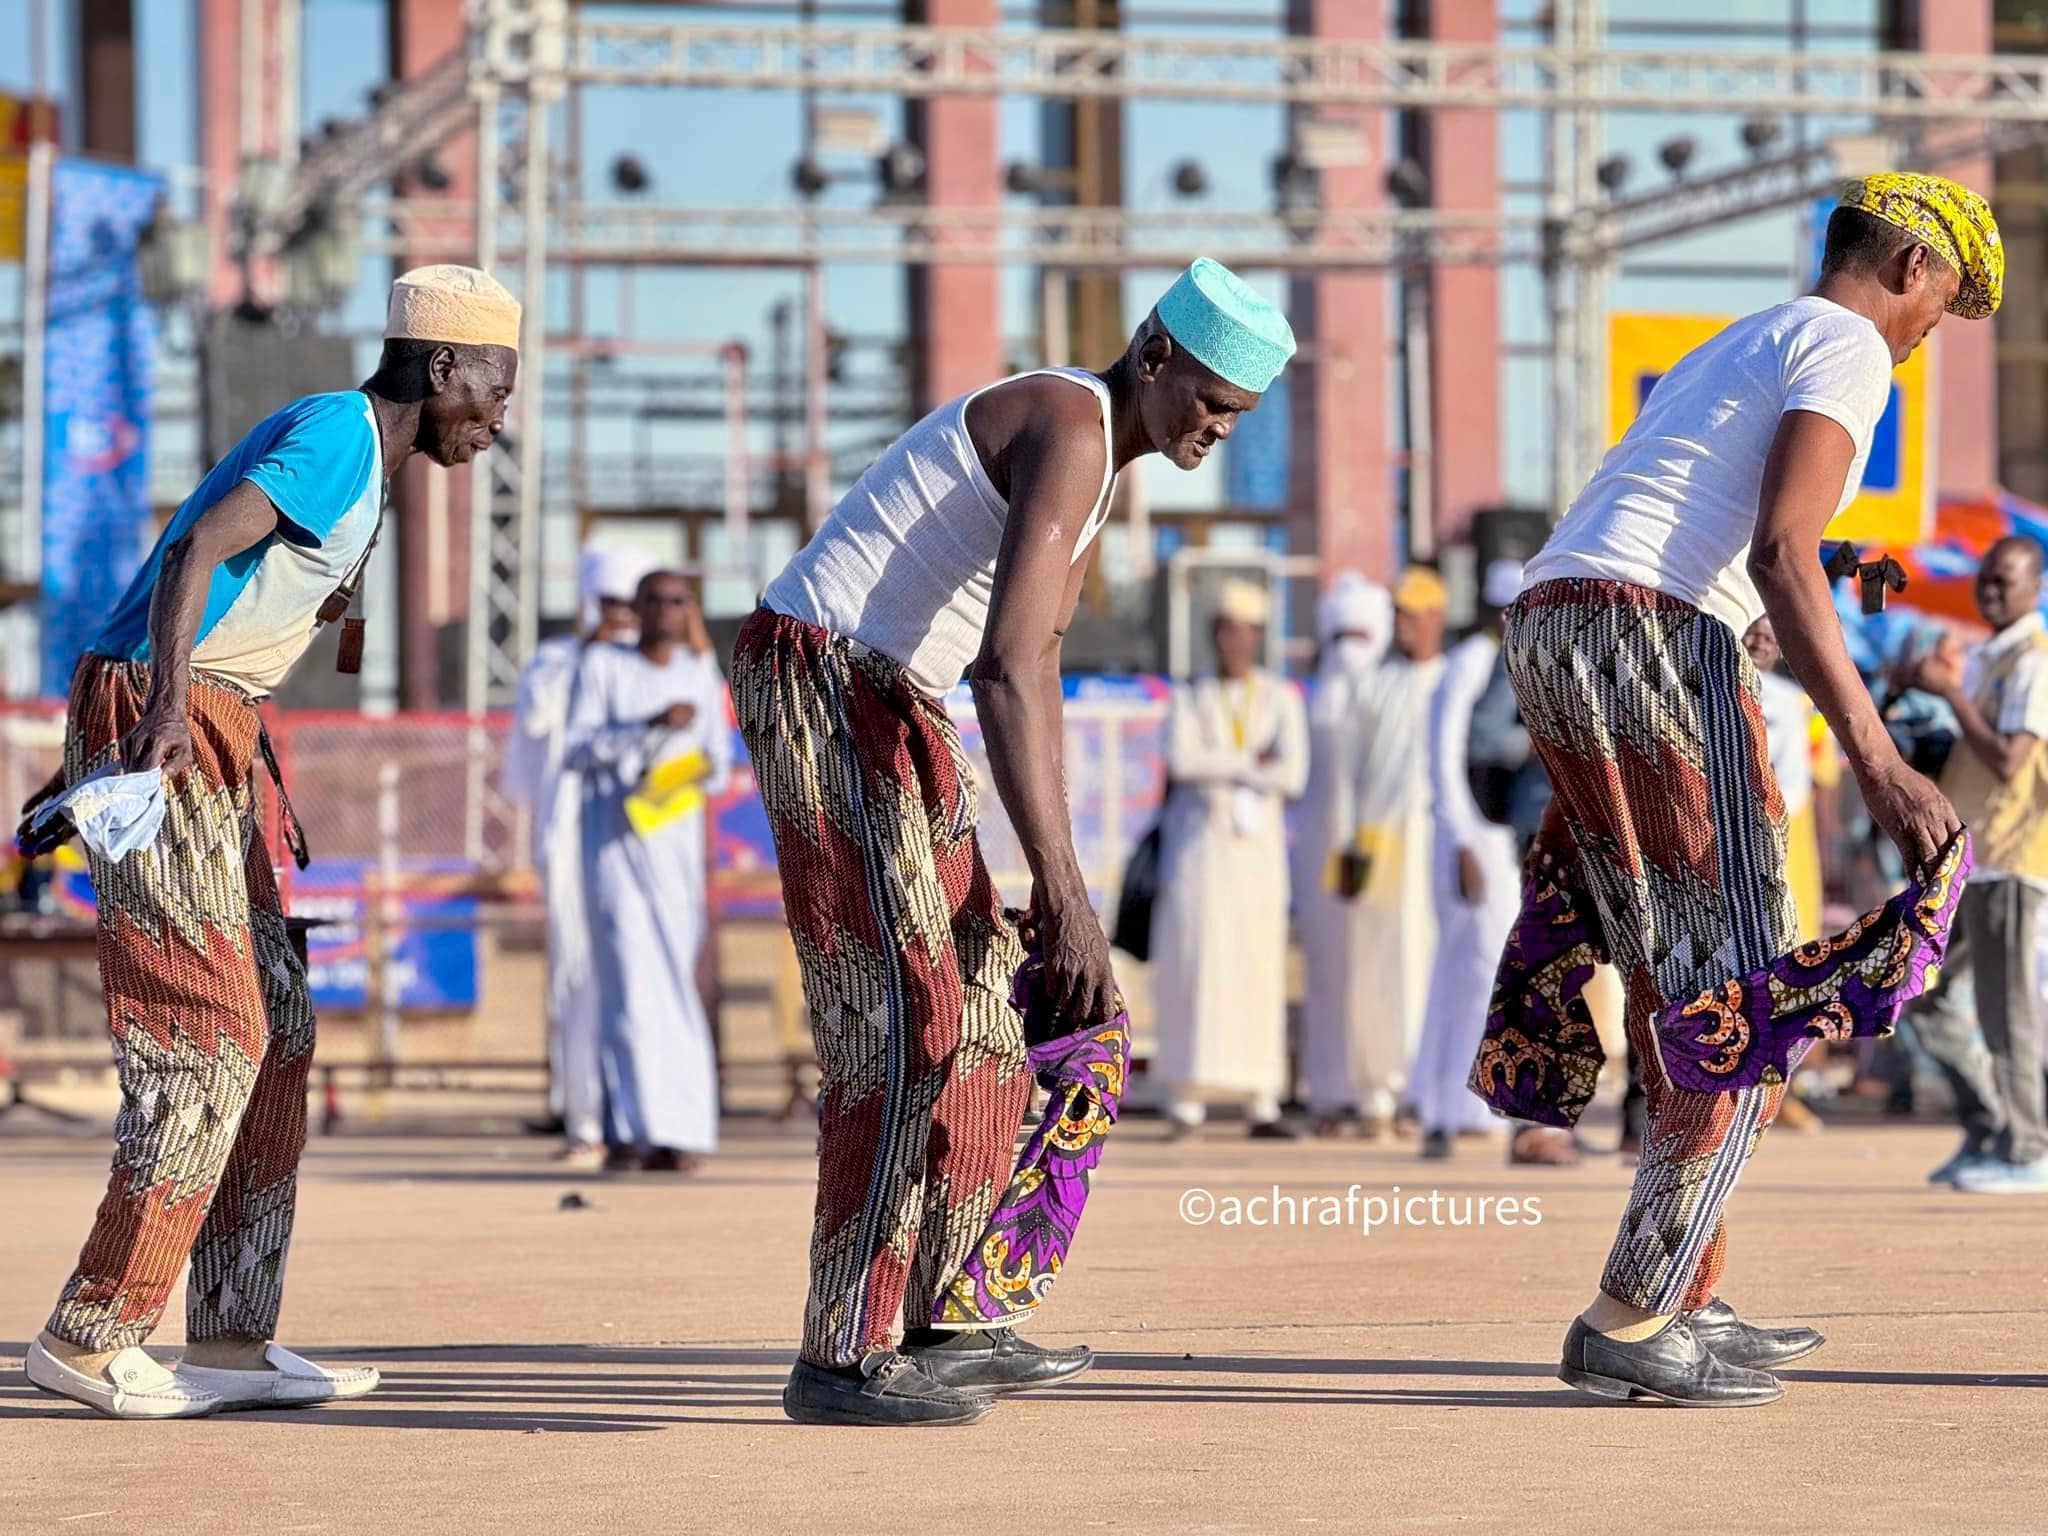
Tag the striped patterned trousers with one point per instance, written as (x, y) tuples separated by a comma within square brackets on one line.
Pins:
[(1646, 713), (213, 1037), (907, 962)]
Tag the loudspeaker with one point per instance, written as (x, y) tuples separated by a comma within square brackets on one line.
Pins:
[(250, 367), (1507, 533)]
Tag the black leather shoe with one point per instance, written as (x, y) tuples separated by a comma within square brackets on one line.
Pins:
[(1272, 1130), (1672, 1366), (992, 1361), (1738, 1343), (889, 1390)]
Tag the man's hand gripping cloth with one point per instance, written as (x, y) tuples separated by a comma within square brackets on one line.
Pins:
[(1541, 1057), (1011, 1269)]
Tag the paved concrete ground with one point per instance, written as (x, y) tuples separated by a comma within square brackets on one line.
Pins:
[(616, 1370)]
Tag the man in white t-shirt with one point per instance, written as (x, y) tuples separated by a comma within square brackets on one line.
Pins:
[(1666, 839)]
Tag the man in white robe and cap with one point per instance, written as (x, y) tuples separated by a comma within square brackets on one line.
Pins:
[(537, 777), (1477, 881), (1237, 751), (1363, 901), (650, 739)]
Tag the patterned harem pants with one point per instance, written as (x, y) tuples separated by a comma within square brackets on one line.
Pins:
[(908, 962), (1645, 712), (213, 1036)]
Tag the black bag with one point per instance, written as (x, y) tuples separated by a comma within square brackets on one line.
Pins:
[(1133, 931), (1507, 779)]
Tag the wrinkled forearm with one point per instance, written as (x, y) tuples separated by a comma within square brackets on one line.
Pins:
[(1021, 724), (175, 610)]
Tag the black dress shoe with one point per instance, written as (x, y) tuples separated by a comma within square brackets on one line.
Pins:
[(1272, 1130), (888, 1389), (1672, 1366), (1738, 1343), (992, 1361)]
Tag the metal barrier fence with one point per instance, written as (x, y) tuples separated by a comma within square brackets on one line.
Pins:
[(419, 930), (334, 762)]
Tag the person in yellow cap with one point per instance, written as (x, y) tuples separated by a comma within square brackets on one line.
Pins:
[(1236, 753), (1363, 902), (206, 1000), (1667, 849)]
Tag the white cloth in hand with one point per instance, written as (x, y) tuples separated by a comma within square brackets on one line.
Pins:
[(115, 813)]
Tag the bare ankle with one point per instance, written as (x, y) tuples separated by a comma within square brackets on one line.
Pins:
[(1619, 1320), (229, 1354), (82, 1358)]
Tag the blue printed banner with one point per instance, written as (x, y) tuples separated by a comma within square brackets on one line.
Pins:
[(1256, 459), (99, 357)]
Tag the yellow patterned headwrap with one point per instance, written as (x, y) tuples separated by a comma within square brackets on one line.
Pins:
[(1950, 220)]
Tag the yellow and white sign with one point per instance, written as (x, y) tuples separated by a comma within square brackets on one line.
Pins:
[(13, 205), (1895, 508)]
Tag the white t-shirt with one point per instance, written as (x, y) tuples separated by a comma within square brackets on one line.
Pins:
[(2020, 706), (1673, 505)]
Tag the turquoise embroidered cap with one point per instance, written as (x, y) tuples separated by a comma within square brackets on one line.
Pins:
[(1232, 329)]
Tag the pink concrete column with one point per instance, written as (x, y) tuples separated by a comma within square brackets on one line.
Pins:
[(1465, 340), (220, 133), (421, 33), (956, 307), (1966, 362), (1343, 482)]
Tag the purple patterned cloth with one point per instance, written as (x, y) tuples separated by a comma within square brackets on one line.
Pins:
[(1012, 1268), (1741, 1032), (1540, 1055)]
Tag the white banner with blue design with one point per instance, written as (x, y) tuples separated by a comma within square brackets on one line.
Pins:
[(99, 365)]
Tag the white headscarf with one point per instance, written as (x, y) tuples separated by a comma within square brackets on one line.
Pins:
[(1503, 583), (606, 571), (1360, 610)]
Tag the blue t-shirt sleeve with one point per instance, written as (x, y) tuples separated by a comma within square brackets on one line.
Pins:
[(318, 466)]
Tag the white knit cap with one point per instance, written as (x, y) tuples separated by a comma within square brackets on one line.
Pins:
[(454, 304), (1503, 583), (1244, 601)]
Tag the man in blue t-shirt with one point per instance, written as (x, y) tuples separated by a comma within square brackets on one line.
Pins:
[(207, 1003)]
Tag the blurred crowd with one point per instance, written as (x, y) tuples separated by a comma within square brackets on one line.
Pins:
[(1418, 797)]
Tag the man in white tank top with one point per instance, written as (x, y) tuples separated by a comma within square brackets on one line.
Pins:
[(1665, 849), (960, 550)]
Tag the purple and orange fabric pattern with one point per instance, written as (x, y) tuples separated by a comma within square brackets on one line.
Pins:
[(1031, 1231), (1849, 986)]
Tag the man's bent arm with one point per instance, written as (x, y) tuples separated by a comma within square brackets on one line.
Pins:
[(238, 521), (1803, 478), (1802, 485), (1016, 677), (2004, 755)]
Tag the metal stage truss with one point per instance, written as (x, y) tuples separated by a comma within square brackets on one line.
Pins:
[(522, 54)]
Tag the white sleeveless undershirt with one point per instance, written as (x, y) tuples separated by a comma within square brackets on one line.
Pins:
[(906, 562)]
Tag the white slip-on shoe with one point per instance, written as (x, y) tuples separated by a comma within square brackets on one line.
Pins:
[(293, 1382), (141, 1388)]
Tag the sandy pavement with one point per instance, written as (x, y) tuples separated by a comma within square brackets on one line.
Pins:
[(617, 1369)]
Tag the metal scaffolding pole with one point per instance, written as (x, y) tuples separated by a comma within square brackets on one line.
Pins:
[(1406, 73), (544, 89), (1591, 269)]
